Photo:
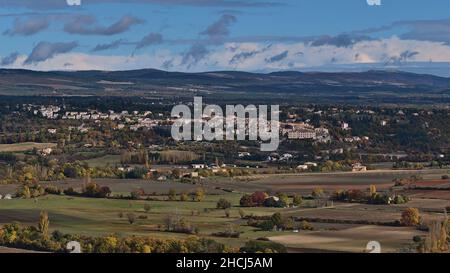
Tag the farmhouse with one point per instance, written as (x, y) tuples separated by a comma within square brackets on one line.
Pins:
[(358, 167), (198, 166)]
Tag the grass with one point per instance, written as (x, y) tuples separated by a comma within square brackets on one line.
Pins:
[(25, 146), (108, 160), (98, 217)]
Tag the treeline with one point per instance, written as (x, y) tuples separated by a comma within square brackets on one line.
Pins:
[(38, 239)]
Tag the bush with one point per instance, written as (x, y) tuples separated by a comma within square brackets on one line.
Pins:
[(70, 192), (273, 202), (223, 204), (297, 201), (53, 190), (93, 190), (263, 247), (131, 218), (172, 195), (254, 200), (305, 225), (147, 208), (137, 194), (184, 197)]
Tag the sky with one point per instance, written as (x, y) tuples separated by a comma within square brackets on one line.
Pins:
[(211, 35)]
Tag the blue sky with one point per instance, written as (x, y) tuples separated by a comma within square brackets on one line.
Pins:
[(200, 35)]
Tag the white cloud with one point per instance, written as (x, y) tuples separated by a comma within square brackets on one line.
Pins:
[(254, 56)]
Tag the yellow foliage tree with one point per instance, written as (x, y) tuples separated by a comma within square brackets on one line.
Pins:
[(410, 217), (44, 224)]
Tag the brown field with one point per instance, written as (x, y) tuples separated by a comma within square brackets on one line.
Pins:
[(304, 183), (353, 239), (25, 146), (7, 250), (430, 194)]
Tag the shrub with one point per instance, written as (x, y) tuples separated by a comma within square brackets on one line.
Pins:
[(137, 194), (131, 218), (147, 208), (95, 191), (317, 193), (305, 225), (223, 204), (172, 195), (184, 197), (53, 190), (263, 247), (242, 213)]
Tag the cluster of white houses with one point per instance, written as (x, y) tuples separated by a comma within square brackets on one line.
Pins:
[(305, 131)]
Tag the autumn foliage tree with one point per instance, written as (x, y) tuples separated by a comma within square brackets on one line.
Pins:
[(44, 224), (410, 217)]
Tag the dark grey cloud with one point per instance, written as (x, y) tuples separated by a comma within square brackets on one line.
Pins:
[(168, 64), (240, 57), (112, 45), (402, 58), (150, 39), (10, 59), (46, 50), (422, 30), (195, 54), (342, 40), (28, 27), (83, 25), (221, 27), (278, 57), (60, 4)]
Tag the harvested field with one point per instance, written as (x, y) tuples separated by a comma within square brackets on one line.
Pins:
[(354, 239), (26, 146), (6, 250), (304, 183)]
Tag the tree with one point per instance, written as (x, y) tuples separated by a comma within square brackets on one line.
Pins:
[(131, 218), (44, 224), (246, 201), (317, 193), (373, 190), (172, 195), (305, 225), (223, 204), (183, 197), (297, 201), (277, 219), (410, 217), (258, 198), (242, 213), (284, 199), (147, 208), (199, 195)]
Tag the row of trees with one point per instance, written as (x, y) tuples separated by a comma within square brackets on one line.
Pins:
[(260, 199)]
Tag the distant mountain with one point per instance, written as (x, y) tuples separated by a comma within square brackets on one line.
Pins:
[(141, 82)]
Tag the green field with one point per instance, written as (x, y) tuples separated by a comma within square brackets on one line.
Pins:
[(98, 217), (108, 160)]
